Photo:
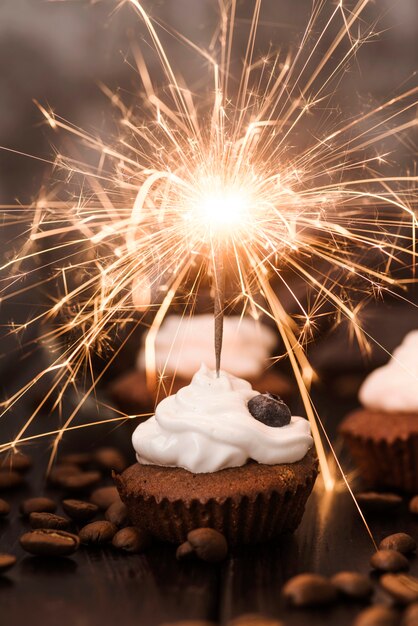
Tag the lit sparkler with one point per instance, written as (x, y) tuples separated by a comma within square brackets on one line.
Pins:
[(222, 178)]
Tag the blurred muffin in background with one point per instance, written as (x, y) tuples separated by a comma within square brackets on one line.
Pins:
[(382, 437), (184, 343)]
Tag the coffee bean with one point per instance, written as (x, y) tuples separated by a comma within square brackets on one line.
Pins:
[(117, 513), (410, 617), (402, 587), (131, 539), (377, 616), (81, 459), (4, 508), (59, 473), (208, 544), (389, 561), (413, 505), (37, 505), (18, 462), (6, 562), (82, 481), (270, 409), (399, 541), (48, 520), (10, 479), (309, 590), (353, 585), (253, 619), (185, 552), (97, 533), (110, 459), (375, 503), (79, 510), (104, 497), (49, 542)]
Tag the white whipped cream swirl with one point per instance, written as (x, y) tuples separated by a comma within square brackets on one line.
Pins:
[(182, 343), (206, 427), (394, 386)]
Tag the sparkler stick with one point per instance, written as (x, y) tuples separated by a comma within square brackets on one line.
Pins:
[(219, 303)]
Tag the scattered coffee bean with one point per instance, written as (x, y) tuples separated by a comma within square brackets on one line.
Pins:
[(59, 473), (254, 619), (80, 482), (48, 520), (399, 541), (375, 503), (110, 459), (131, 539), (10, 479), (389, 561), (49, 542), (410, 617), (377, 616), (309, 590), (402, 587), (82, 459), (185, 551), (98, 533), (37, 505), (104, 497), (18, 462), (117, 513), (270, 410), (413, 505), (208, 544), (4, 508), (79, 510), (6, 562), (353, 585)]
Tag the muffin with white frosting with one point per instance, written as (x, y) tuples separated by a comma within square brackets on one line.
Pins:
[(382, 437), (219, 454), (184, 342)]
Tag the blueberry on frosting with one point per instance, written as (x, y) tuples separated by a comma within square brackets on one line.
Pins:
[(269, 409)]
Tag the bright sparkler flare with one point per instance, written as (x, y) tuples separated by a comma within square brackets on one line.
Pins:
[(223, 209), (256, 159)]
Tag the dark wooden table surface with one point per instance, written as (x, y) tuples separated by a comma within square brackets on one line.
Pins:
[(104, 588)]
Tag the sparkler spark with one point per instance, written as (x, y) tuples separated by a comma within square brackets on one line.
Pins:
[(257, 162)]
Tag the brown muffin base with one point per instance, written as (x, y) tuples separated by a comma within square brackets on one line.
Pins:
[(384, 447), (248, 504), (131, 395)]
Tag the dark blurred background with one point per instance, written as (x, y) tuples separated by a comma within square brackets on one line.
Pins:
[(58, 52)]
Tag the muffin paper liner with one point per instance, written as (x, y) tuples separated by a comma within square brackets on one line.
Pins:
[(386, 465), (242, 519)]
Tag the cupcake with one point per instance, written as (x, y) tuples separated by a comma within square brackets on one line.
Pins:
[(382, 437), (218, 454), (183, 343)]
